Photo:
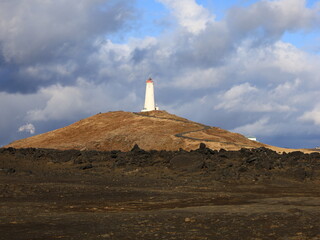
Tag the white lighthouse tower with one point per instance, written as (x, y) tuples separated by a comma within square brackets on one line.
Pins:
[(149, 103)]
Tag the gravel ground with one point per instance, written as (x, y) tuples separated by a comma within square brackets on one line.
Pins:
[(203, 194)]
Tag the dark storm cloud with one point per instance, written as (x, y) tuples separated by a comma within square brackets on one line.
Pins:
[(138, 55), (40, 40)]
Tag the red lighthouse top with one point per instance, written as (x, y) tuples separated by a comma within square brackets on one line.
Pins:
[(149, 80)]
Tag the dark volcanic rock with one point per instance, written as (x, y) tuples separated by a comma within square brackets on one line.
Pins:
[(204, 150), (137, 149), (246, 164)]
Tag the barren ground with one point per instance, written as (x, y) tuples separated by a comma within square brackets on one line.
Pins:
[(204, 194)]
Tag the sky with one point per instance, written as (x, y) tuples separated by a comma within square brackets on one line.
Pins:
[(251, 67)]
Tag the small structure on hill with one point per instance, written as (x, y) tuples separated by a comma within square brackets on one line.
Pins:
[(252, 138), (149, 102)]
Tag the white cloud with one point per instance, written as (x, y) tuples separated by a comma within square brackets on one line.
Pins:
[(85, 98), (239, 91), (312, 116), (286, 89), (63, 103), (200, 78), (258, 127), (247, 98), (190, 15), (29, 127), (275, 58)]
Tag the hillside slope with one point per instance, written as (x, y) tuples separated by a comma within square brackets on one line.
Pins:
[(119, 130)]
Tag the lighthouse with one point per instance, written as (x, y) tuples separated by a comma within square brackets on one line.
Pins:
[(149, 103)]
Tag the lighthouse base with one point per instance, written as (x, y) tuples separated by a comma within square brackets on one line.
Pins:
[(149, 110)]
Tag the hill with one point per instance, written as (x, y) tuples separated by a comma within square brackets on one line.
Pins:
[(158, 130)]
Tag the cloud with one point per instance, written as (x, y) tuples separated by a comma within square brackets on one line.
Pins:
[(44, 42), (258, 127), (190, 15), (13, 113), (247, 98), (312, 116), (270, 19), (31, 29), (209, 77), (27, 128), (84, 98), (238, 91)]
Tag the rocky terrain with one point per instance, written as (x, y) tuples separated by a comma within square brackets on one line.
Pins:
[(199, 194)]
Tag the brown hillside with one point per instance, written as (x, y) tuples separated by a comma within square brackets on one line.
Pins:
[(157, 130)]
